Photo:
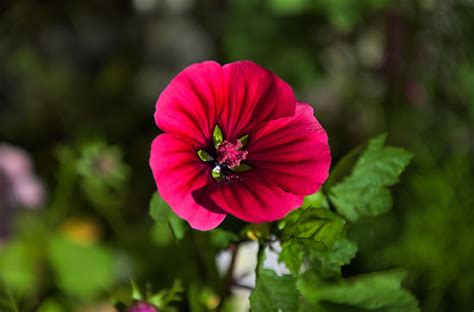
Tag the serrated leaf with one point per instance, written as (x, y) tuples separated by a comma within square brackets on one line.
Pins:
[(274, 293), (292, 255), (344, 166), (290, 218), (164, 216), (329, 262), (305, 231), (365, 192), (318, 225), (382, 291)]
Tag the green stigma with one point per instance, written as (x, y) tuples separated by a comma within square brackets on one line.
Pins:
[(217, 173)]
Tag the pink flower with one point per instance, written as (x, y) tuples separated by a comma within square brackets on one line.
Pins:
[(19, 186), (236, 142), (24, 187), (142, 306)]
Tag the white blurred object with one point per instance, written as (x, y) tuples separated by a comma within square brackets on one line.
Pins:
[(244, 269), (145, 6), (179, 6)]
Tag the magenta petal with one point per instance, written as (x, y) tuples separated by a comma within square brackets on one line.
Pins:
[(255, 96), (254, 199), (180, 175), (190, 105), (292, 152)]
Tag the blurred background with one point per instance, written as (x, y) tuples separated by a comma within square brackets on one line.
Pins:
[(78, 84)]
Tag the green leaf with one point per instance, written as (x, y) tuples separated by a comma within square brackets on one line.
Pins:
[(165, 217), (274, 293), (317, 225), (289, 6), (136, 292), (217, 136), (344, 166), (7, 302), (81, 270), (165, 297), (201, 298), (18, 266), (316, 200), (305, 231), (292, 256), (382, 291), (51, 305), (329, 262), (365, 192), (221, 239)]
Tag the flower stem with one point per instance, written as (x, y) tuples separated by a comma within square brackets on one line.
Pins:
[(234, 248), (260, 258)]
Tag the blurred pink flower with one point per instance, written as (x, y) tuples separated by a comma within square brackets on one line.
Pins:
[(20, 183), (142, 306), (236, 142)]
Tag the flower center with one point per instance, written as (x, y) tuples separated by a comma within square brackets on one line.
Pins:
[(230, 155)]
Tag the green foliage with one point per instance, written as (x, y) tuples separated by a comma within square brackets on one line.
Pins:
[(319, 226), (7, 302), (274, 293), (343, 14), (165, 218), (51, 305), (163, 300), (316, 236), (202, 298), (377, 291), (329, 262), (18, 267), (316, 200), (292, 255), (365, 192), (307, 230), (221, 238), (82, 270), (101, 167), (421, 244)]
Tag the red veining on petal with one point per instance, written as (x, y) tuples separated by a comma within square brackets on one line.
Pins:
[(230, 154)]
